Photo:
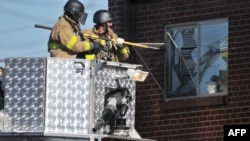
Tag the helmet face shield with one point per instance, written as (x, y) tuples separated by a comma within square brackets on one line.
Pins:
[(83, 18)]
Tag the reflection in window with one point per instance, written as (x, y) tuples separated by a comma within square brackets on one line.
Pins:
[(198, 59)]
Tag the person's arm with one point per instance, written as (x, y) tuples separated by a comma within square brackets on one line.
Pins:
[(72, 41)]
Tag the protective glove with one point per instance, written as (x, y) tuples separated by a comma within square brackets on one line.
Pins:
[(96, 47), (119, 42)]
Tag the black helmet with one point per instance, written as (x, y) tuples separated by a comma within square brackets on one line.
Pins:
[(102, 16), (76, 9)]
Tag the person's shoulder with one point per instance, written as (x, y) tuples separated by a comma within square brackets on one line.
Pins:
[(62, 23), (87, 31)]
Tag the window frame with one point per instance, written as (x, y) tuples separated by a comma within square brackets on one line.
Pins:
[(168, 41)]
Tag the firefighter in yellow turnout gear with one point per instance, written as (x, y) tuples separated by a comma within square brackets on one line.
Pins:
[(66, 38), (111, 50)]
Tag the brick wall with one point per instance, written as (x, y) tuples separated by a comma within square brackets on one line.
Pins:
[(190, 119)]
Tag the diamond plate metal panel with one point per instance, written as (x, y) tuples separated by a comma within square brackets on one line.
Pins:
[(24, 87), (106, 78), (67, 96)]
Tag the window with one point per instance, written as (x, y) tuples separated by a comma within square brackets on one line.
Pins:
[(197, 59)]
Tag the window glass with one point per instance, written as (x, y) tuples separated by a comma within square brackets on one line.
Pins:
[(197, 58)]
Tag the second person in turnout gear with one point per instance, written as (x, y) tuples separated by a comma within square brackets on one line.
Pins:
[(113, 50), (66, 38)]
